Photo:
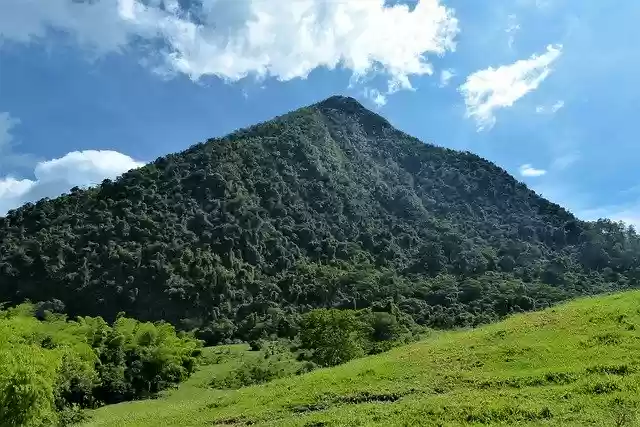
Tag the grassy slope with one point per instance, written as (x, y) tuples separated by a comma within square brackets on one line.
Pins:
[(576, 364)]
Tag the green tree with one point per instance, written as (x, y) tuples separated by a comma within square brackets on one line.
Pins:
[(27, 393), (333, 336)]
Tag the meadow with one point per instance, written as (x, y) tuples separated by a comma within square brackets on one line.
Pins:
[(575, 364)]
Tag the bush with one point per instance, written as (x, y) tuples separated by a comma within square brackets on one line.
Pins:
[(250, 372), (275, 360), (383, 331), (52, 368), (27, 378), (72, 415), (330, 336), (77, 379), (333, 336)]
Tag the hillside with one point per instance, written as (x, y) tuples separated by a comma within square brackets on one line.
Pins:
[(573, 365), (326, 206)]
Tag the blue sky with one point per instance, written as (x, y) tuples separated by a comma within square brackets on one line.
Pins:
[(547, 89)]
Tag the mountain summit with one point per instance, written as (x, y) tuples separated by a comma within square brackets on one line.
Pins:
[(346, 104), (328, 205)]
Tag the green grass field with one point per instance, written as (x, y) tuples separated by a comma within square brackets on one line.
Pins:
[(573, 365)]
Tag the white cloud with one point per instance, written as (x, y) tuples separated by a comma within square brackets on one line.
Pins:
[(95, 23), (235, 39), (528, 170), (446, 76), (11, 187), (512, 28), (557, 106), (54, 177), (550, 109), (375, 96), (488, 90)]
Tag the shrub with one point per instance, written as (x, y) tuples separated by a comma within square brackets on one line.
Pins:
[(333, 336), (27, 378), (252, 371), (77, 379), (384, 330), (50, 367), (275, 360)]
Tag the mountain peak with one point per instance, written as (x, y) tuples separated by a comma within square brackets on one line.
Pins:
[(302, 211), (342, 102), (352, 107)]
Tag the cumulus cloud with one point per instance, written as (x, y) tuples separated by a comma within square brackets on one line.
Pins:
[(95, 23), (550, 109), (488, 90), (375, 96), (56, 176), (528, 170), (446, 76), (10, 187), (235, 39)]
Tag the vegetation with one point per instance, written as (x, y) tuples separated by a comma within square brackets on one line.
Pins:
[(328, 206), (572, 365), (327, 337), (274, 360), (52, 367), (319, 237), (333, 336)]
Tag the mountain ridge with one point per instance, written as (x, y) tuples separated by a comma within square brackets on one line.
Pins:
[(328, 205)]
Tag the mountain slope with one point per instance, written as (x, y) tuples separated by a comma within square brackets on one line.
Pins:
[(573, 365), (326, 206)]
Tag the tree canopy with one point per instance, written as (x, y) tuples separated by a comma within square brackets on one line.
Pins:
[(328, 206), (52, 367)]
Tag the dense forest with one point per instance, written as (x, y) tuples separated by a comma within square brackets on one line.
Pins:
[(327, 206)]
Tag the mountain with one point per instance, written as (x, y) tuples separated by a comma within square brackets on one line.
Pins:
[(328, 205), (573, 365)]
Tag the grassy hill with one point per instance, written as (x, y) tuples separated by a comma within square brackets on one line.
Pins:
[(573, 365)]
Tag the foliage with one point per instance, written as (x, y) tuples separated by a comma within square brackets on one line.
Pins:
[(328, 206), (53, 367), (274, 360), (253, 371), (332, 336), (385, 330), (27, 374), (534, 369), (327, 337)]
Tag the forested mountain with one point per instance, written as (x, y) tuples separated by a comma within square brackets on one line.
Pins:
[(326, 206)]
